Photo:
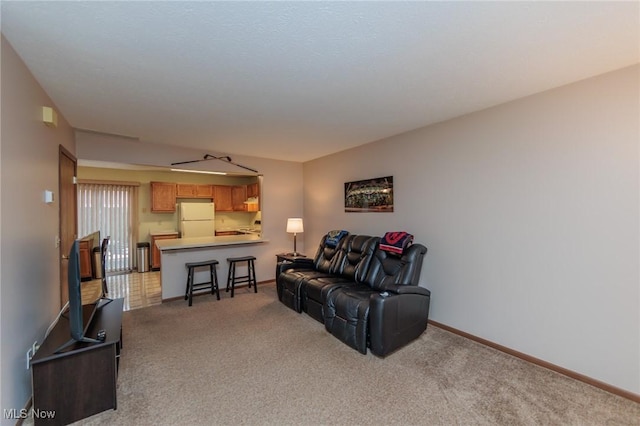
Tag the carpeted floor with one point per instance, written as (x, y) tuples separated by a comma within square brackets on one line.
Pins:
[(251, 360)]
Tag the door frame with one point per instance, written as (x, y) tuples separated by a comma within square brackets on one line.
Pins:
[(66, 210)]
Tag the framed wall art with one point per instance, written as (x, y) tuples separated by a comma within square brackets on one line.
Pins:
[(370, 195)]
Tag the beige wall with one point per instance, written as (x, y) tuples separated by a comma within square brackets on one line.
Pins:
[(29, 271), (530, 211)]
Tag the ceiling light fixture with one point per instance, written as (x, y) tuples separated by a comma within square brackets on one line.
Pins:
[(198, 171), (208, 157)]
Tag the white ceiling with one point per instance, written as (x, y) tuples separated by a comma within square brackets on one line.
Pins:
[(300, 80)]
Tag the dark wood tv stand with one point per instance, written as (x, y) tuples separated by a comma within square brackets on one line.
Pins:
[(80, 381)]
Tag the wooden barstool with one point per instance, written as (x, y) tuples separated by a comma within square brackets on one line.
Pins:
[(212, 284), (250, 278)]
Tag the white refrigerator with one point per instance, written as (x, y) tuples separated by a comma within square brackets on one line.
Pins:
[(196, 219)]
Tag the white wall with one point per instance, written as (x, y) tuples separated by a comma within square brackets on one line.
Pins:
[(530, 212), (281, 190), (29, 271)]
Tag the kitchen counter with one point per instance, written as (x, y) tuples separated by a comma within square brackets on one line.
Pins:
[(176, 252), (204, 242), (162, 232), (244, 230), (158, 235)]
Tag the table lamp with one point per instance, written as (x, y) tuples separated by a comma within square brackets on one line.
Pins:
[(294, 225)]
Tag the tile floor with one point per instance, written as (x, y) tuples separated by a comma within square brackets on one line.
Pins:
[(139, 290)]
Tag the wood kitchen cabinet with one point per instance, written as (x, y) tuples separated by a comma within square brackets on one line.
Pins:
[(230, 198), (190, 190), (85, 247), (155, 252), (204, 191), (238, 198), (185, 190), (222, 198), (253, 190), (163, 197)]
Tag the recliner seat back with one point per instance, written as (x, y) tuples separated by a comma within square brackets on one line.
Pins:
[(389, 268), (328, 258), (357, 252)]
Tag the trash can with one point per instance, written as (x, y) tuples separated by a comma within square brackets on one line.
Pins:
[(97, 263), (142, 250)]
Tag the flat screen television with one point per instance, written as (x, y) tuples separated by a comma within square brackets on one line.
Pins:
[(77, 323)]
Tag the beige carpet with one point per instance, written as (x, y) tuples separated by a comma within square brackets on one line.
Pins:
[(251, 360)]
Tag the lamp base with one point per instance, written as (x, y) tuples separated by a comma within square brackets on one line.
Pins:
[(295, 249)]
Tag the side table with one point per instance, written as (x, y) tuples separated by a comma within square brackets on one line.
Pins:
[(284, 258), (289, 257)]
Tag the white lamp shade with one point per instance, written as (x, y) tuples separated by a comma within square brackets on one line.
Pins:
[(294, 224)]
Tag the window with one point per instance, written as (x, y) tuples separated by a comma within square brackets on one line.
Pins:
[(111, 209)]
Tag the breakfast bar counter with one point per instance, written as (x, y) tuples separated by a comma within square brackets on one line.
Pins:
[(175, 253), (204, 242)]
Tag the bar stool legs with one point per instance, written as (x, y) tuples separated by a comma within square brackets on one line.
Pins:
[(211, 284), (250, 278)]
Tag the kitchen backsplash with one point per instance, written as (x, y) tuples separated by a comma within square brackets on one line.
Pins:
[(236, 220), (223, 221)]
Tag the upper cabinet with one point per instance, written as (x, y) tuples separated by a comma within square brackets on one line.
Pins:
[(185, 190), (232, 198), (238, 197), (227, 198), (253, 190), (163, 197), (222, 198), (204, 191), (190, 190)]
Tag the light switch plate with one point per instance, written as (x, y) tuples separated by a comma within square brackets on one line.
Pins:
[(48, 196)]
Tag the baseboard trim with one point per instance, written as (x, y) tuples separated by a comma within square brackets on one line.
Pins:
[(222, 289), (561, 370)]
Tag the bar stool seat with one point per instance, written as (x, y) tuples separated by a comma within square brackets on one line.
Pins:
[(233, 279), (211, 284)]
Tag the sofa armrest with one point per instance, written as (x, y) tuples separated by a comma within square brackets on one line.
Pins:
[(304, 263), (406, 289), (282, 267), (397, 318)]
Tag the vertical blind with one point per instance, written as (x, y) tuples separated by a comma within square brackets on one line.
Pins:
[(110, 209)]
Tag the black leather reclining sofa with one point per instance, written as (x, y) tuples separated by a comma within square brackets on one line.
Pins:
[(365, 296)]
